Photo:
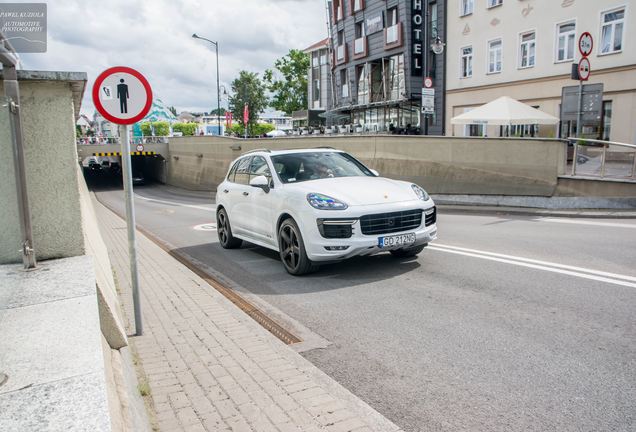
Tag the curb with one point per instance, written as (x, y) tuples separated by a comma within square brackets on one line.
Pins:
[(529, 211)]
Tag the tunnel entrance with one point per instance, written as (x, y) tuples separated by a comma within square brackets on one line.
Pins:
[(104, 170)]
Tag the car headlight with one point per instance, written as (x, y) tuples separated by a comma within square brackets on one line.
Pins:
[(324, 202), (421, 193)]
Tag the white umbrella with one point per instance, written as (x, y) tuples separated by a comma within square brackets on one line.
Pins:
[(505, 111), (276, 133)]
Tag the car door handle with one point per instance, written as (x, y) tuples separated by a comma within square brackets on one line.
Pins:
[(225, 191), (246, 193)]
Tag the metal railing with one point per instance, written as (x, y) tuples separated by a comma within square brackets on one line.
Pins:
[(602, 159), (97, 141)]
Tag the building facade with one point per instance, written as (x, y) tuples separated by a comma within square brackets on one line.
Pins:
[(525, 49), (319, 77), (380, 57)]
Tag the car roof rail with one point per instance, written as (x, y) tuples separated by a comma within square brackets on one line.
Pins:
[(258, 150)]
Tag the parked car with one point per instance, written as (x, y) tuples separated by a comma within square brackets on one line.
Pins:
[(320, 205)]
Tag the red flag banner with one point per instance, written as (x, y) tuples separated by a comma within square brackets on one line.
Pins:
[(246, 114)]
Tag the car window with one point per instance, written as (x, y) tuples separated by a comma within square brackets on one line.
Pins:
[(230, 176), (298, 167), (242, 175), (259, 167)]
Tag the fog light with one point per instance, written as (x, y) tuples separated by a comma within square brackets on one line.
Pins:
[(336, 248)]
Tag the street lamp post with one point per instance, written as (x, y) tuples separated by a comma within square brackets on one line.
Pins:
[(436, 47), (218, 94)]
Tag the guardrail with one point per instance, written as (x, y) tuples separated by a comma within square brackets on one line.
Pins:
[(602, 159), (115, 140)]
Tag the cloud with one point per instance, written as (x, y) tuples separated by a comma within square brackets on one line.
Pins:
[(155, 37)]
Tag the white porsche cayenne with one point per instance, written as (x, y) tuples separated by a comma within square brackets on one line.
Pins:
[(320, 205)]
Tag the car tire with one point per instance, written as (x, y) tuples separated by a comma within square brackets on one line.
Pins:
[(292, 249), (224, 231), (408, 252)]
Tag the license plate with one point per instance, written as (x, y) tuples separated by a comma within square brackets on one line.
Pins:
[(396, 241)]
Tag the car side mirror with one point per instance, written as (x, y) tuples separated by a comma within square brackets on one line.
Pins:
[(260, 182), (375, 173)]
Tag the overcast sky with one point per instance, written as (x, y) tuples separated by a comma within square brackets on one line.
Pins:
[(155, 37)]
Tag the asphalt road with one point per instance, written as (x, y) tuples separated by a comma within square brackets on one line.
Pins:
[(506, 323)]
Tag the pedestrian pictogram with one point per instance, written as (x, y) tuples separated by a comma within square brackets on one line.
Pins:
[(122, 95)]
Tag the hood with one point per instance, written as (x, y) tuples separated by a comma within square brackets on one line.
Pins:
[(360, 190)]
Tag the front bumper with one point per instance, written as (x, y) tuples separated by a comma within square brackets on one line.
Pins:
[(361, 244)]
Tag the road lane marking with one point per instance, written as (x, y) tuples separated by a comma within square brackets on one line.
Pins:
[(581, 222), (175, 203), (596, 275)]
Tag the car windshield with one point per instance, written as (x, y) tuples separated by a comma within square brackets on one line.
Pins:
[(298, 167)]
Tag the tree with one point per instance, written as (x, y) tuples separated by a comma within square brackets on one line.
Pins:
[(160, 128), (173, 110), (221, 111), (288, 82), (247, 88), (187, 129), (256, 129)]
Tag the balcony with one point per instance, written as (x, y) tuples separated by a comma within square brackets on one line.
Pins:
[(360, 49), (341, 53), (345, 91), (393, 36)]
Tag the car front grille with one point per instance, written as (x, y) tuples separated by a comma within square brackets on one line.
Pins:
[(430, 216), (335, 228), (384, 223)]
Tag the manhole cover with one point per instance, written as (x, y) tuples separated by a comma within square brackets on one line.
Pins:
[(206, 227), (3, 379)]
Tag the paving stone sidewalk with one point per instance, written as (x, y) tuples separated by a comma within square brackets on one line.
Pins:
[(212, 368)]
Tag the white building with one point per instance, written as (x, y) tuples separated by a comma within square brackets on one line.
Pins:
[(525, 49)]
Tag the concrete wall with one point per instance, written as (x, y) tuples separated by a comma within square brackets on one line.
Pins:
[(9, 235), (48, 119), (440, 164)]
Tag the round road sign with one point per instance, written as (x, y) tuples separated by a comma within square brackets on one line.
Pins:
[(586, 43), (584, 69), (122, 95), (428, 82), (140, 147)]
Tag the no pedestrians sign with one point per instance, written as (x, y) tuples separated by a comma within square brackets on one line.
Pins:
[(122, 95)]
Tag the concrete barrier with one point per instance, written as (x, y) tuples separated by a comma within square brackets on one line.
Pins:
[(449, 165)]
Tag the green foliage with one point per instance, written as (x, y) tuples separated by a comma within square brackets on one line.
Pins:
[(221, 111), (173, 110), (160, 128), (247, 88), (255, 130), (187, 129), (288, 82), (78, 131)]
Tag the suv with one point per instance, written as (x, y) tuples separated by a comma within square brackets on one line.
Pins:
[(320, 205)]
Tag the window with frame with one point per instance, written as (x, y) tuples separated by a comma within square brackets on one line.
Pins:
[(362, 84), (316, 90), (612, 31), (344, 84), (358, 5), (230, 175), (606, 120), (467, 7), (467, 62), (494, 56), (566, 34), (392, 17), (493, 3), (527, 49), (315, 59), (433, 12)]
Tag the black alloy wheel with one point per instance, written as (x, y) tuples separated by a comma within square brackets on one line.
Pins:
[(292, 249), (224, 231)]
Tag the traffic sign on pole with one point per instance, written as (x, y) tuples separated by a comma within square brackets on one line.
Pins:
[(586, 43), (428, 101), (584, 69), (123, 96), (428, 82)]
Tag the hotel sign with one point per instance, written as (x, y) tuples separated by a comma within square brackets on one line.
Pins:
[(374, 24), (417, 37)]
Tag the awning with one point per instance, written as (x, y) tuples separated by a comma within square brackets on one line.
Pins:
[(505, 111)]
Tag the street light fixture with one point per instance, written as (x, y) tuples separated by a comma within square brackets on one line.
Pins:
[(218, 94), (438, 46)]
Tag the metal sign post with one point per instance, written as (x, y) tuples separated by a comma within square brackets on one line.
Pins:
[(131, 224), (586, 42), (123, 96)]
